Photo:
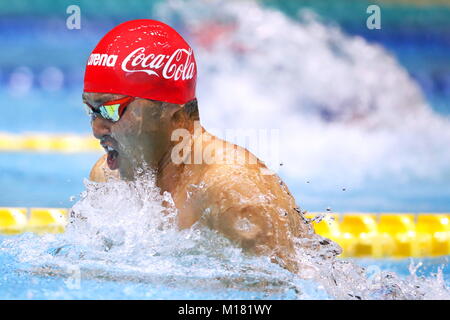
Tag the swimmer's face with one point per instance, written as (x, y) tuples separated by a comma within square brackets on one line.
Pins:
[(141, 136)]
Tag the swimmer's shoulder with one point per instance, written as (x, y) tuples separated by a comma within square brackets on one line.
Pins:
[(100, 171), (237, 164), (246, 181), (240, 180)]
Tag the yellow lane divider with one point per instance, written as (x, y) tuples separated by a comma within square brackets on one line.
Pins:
[(38, 220), (46, 142), (398, 235), (42, 220), (13, 220)]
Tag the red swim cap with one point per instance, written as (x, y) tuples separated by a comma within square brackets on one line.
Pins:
[(145, 59)]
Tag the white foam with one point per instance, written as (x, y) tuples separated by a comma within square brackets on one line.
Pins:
[(270, 72), (346, 109), (126, 231)]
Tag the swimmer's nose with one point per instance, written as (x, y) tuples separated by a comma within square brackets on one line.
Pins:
[(101, 127)]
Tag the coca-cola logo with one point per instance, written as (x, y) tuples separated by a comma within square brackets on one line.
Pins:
[(178, 65)]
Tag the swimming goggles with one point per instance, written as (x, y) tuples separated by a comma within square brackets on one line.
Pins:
[(111, 110)]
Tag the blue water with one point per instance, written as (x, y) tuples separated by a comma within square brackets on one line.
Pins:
[(28, 183), (396, 168), (20, 280), (418, 39)]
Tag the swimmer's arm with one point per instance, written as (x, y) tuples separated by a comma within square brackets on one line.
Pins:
[(100, 171), (240, 213)]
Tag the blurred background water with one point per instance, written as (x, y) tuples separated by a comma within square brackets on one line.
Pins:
[(363, 114), (363, 118)]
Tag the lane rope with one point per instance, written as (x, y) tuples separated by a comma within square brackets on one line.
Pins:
[(48, 142), (382, 235)]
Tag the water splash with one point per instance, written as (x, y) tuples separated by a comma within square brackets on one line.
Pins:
[(345, 107), (126, 232), (334, 96)]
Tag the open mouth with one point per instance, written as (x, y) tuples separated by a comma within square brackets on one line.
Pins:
[(113, 158), (112, 154)]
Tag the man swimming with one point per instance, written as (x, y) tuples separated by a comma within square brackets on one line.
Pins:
[(139, 88)]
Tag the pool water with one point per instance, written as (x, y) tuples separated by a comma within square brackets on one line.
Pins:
[(358, 113), (19, 282), (363, 126), (119, 244)]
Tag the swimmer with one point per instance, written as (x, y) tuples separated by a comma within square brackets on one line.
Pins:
[(139, 88)]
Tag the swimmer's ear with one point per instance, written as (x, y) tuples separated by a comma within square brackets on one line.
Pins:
[(179, 114), (189, 111)]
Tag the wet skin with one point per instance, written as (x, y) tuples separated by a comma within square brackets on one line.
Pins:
[(240, 200)]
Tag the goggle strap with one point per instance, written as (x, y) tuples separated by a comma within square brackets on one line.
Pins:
[(119, 101)]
